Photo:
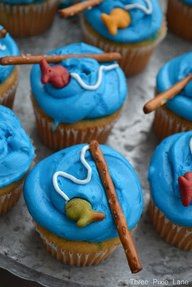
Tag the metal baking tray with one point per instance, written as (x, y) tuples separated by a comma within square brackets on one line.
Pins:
[(21, 250)]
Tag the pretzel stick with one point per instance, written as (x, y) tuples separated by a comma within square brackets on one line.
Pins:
[(3, 33), (119, 218), (162, 98), (79, 7), (35, 59)]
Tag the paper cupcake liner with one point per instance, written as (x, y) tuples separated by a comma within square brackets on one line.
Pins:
[(67, 135), (167, 123), (175, 235), (179, 17), (134, 57), (28, 20), (8, 90), (8, 200), (76, 258), (7, 99)]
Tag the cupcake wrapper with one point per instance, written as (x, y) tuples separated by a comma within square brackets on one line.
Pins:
[(175, 235), (28, 20), (76, 259), (167, 123), (179, 17), (8, 89), (67, 136), (134, 57), (7, 99), (8, 200)]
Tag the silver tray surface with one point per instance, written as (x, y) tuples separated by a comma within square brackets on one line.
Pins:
[(21, 251)]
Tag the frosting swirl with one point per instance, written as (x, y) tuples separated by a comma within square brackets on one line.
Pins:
[(175, 156), (172, 72), (144, 26), (16, 150), (8, 47), (74, 102), (46, 205)]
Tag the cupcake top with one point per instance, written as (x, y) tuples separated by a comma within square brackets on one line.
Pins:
[(72, 173), (145, 20), (66, 3), (20, 2), (8, 47), (171, 73), (16, 150), (171, 179), (94, 89)]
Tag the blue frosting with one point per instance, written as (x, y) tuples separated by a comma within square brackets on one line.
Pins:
[(188, 2), (172, 72), (171, 159), (47, 207), (143, 27), (74, 103), (16, 150), (8, 47), (20, 2), (66, 3)]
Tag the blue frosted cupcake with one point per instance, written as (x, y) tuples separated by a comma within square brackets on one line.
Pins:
[(175, 116), (179, 17), (170, 177), (16, 156), (16, 16), (81, 104), (67, 201), (132, 27), (8, 74)]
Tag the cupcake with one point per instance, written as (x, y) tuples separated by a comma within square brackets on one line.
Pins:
[(16, 156), (175, 115), (69, 206), (179, 18), (8, 74), (78, 100), (171, 190), (24, 18), (132, 27)]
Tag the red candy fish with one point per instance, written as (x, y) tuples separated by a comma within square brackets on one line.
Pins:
[(185, 185), (56, 75)]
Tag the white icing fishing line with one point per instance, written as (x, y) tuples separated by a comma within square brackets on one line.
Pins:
[(99, 79), (148, 9), (71, 177), (190, 144)]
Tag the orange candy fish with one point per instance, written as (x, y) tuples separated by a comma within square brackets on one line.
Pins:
[(117, 19)]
